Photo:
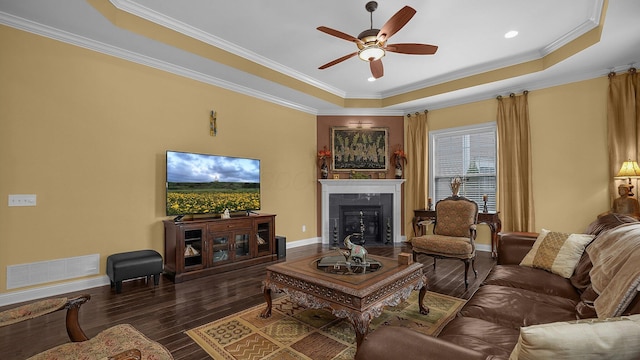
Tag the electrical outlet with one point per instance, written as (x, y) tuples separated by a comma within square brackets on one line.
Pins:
[(304, 228), (22, 200)]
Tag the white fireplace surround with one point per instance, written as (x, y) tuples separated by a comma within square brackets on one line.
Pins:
[(361, 186)]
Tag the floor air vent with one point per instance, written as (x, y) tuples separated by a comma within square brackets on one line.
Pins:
[(52, 270)]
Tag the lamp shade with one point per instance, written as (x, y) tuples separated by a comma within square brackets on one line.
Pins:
[(629, 169)]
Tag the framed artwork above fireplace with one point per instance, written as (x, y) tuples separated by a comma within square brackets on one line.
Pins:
[(358, 149)]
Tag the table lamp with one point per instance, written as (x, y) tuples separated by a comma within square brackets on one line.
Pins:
[(629, 170)]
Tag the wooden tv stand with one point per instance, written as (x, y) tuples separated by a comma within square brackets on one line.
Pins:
[(203, 247)]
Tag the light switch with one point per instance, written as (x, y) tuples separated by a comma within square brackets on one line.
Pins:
[(22, 200)]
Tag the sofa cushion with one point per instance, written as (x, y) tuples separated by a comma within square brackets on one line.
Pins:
[(446, 245), (614, 338), (514, 307), (557, 252), (481, 335), (396, 342), (535, 280)]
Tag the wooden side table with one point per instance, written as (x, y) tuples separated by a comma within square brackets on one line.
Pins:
[(490, 218)]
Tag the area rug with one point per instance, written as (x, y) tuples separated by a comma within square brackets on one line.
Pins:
[(295, 332)]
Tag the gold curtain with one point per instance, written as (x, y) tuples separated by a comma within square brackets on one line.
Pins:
[(415, 186), (623, 122), (515, 193)]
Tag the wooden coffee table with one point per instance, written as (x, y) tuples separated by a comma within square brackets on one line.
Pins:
[(357, 297)]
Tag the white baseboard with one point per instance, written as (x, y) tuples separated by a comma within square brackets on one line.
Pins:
[(303, 242), (52, 290), (483, 247)]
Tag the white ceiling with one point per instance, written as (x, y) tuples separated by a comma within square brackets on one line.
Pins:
[(281, 35)]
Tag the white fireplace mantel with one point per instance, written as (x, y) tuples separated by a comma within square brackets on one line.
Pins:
[(362, 186)]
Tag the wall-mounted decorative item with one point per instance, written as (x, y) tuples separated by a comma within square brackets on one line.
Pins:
[(213, 123), (359, 149)]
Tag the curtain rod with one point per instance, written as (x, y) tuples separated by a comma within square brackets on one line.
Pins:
[(418, 113), (525, 92), (631, 70)]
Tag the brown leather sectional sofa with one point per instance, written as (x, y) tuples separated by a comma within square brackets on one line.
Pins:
[(511, 297)]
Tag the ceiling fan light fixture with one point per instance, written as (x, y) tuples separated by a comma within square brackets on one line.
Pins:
[(371, 53), (372, 43)]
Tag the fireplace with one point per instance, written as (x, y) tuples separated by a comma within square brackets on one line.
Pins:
[(365, 224), (380, 203)]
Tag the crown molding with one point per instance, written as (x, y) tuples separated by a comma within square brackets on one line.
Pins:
[(73, 39), (361, 112), (195, 33), (588, 25), (464, 73), (554, 81), (395, 110)]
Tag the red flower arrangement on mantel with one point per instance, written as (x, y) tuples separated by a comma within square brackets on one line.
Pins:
[(399, 156), (400, 159), (323, 155)]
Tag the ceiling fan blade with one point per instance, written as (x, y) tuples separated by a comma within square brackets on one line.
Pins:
[(339, 34), (413, 49), (395, 23), (339, 60), (377, 70)]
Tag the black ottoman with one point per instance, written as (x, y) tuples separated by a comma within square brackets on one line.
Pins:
[(134, 264)]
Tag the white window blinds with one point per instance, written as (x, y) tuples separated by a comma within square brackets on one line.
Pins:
[(468, 152)]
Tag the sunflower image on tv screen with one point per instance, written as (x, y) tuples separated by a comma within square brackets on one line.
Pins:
[(209, 184)]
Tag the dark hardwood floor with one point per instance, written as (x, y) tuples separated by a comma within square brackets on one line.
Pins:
[(165, 312)]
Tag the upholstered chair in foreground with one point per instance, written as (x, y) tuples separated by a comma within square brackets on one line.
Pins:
[(454, 233), (119, 342)]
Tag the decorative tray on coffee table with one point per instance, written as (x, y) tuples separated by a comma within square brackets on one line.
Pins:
[(338, 265)]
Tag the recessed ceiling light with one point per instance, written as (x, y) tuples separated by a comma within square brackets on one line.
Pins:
[(371, 79), (511, 34)]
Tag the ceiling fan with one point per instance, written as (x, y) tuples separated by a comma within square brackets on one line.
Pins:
[(372, 43)]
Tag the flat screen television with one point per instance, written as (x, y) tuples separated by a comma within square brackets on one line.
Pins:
[(209, 184)]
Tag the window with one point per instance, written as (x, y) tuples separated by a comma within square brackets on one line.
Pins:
[(468, 152)]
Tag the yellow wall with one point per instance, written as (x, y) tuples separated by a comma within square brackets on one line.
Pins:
[(87, 133), (569, 146)]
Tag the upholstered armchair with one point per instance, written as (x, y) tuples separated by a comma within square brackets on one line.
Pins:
[(119, 342), (454, 233)]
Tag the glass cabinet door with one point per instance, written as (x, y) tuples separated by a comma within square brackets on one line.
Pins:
[(193, 248), (242, 245), (220, 248), (263, 238)]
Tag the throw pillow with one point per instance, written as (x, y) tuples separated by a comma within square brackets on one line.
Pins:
[(557, 252), (590, 339)]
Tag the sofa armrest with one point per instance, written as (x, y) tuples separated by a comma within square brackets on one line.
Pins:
[(394, 342), (514, 246)]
